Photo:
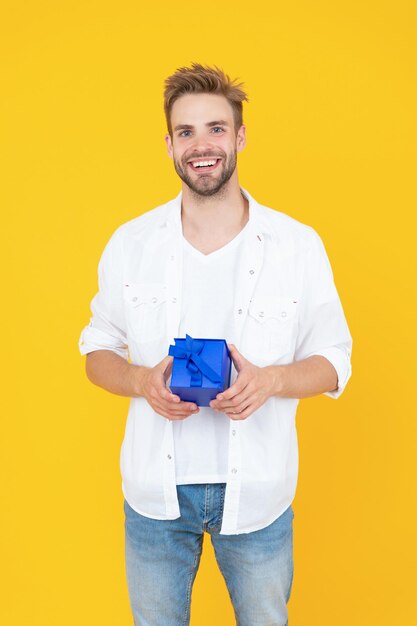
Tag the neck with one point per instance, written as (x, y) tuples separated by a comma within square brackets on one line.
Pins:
[(226, 211)]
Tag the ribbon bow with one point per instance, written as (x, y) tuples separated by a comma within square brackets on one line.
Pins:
[(195, 363)]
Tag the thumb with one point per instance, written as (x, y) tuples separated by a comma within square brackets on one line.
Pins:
[(166, 364), (237, 358)]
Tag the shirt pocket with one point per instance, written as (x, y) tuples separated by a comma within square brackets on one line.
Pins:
[(271, 326), (146, 310)]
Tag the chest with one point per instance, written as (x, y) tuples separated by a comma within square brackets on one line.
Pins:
[(259, 286)]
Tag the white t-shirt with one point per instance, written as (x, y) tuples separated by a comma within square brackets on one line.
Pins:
[(201, 441)]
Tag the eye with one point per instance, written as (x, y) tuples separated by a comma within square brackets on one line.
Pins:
[(217, 130), (183, 133)]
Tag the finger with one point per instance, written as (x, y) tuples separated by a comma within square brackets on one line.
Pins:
[(165, 362), (171, 413), (162, 396), (254, 404), (166, 394), (176, 418), (251, 408), (238, 403), (180, 406), (238, 386), (165, 365), (167, 372), (181, 411)]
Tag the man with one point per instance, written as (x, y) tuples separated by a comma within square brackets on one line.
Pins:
[(213, 263)]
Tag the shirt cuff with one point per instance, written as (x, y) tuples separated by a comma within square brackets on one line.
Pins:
[(340, 359), (92, 339)]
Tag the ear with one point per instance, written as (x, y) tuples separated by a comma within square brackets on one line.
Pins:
[(241, 138), (168, 142)]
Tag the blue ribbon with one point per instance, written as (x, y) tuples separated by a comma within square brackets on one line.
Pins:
[(195, 363)]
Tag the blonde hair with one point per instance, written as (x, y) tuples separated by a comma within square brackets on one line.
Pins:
[(203, 79)]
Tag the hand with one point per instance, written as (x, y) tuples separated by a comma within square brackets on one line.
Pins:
[(152, 386), (252, 388)]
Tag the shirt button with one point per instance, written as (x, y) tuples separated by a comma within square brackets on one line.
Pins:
[(171, 258), (134, 299), (154, 300), (169, 456), (240, 311), (234, 470), (174, 300), (261, 314), (251, 271), (284, 314), (233, 433)]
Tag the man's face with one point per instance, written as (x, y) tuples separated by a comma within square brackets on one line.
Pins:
[(204, 142)]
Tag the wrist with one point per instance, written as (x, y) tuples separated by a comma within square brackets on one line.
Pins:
[(138, 378), (277, 373)]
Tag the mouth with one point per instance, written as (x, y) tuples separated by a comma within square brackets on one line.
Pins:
[(204, 165)]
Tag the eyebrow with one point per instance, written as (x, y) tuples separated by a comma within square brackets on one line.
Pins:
[(218, 123), (209, 125)]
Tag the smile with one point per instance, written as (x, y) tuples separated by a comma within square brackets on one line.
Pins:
[(204, 165)]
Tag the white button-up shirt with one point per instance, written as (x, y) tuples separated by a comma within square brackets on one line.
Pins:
[(286, 308)]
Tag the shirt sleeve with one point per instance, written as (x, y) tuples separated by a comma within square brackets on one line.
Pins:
[(323, 329), (107, 328)]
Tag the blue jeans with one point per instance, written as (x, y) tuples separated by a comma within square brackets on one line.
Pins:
[(162, 558)]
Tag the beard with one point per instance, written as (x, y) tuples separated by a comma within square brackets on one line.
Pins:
[(206, 184)]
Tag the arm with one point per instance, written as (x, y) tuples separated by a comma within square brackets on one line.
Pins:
[(255, 385), (113, 373), (303, 379)]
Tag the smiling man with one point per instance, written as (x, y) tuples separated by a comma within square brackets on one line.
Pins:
[(213, 263)]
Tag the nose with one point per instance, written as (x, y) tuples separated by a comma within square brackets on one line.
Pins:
[(202, 143)]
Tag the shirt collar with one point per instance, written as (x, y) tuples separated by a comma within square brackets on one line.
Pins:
[(256, 218)]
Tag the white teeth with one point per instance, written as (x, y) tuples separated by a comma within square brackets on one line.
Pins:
[(204, 163)]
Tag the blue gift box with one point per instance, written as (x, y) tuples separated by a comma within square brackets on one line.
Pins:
[(201, 369)]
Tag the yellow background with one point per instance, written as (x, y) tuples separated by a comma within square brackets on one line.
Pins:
[(331, 141)]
